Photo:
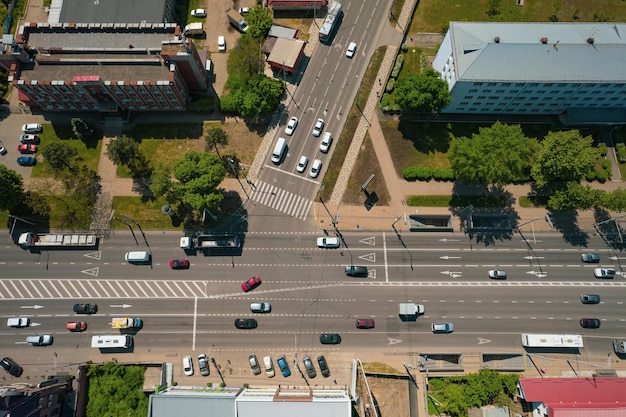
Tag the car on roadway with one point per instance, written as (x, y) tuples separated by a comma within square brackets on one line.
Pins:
[(11, 367), (604, 273), (179, 263), (291, 126), (27, 148), (203, 365), (246, 324), (3, 150), (18, 322), (327, 140), (351, 49), (198, 13), (319, 126), (302, 163), (261, 307), (244, 10), (497, 274), (254, 364), (40, 340), (365, 323), (76, 326), (356, 271), (27, 138), (32, 128), (327, 242), (330, 338), (587, 323), (221, 43), (283, 366), (590, 298), (269, 366), (590, 258), (308, 366), (316, 167), (85, 308), (26, 161), (251, 284), (321, 361), (187, 365), (442, 327)]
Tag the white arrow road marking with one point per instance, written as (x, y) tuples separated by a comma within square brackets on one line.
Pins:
[(369, 257), (451, 273), (615, 258), (121, 305), (538, 274), (371, 273), (482, 341), (369, 241), (94, 255), (445, 240), (35, 324), (36, 307), (393, 341), (533, 257), (449, 257), (92, 271)]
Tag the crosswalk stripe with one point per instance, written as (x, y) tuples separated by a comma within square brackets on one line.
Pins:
[(281, 200)]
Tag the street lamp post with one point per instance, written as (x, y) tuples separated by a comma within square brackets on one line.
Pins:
[(608, 243)]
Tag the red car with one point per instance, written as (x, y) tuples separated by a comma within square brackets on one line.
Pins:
[(27, 148), (251, 284), (365, 323), (179, 263)]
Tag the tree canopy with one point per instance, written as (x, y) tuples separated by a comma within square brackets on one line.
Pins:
[(214, 137), (260, 21), (11, 189), (572, 195), (116, 390), (500, 154), (125, 151), (60, 155), (422, 92), (261, 94), (564, 156)]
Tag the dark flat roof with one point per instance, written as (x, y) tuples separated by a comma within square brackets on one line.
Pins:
[(112, 11)]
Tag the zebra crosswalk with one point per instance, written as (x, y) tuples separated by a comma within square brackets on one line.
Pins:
[(281, 200)]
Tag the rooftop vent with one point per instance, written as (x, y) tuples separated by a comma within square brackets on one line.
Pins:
[(544, 40), (590, 40), (496, 39)]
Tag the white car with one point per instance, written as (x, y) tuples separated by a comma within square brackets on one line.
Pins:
[(3, 150), (327, 140), (32, 128), (319, 126), (188, 365), (327, 242), (198, 13), (291, 126), (221, 44), (244, 10), (351, 50), (302, 163), (604, 273), (261, 307), (497, 274), (316, 167)]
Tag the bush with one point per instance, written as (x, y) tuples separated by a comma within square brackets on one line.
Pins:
[(405, 48), (602, 175), (384, 101), (606, 164), (410, 173), (603, 149), (443, 174), (417, 173), (590, 176), (390, 85), (621, 154)]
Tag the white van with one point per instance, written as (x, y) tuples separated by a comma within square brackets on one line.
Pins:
[(279, 150), (108, 342), (18, 322), (138, 257), (209, 67)]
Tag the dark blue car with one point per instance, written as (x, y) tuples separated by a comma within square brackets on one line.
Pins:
[(26, 161)]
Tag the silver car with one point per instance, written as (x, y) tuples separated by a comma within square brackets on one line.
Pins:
[(592, 258), (442, 327), (203, 365), (261, 307), (308, 366), (254, 364), (497, 274), (40, 339), (604, 273)]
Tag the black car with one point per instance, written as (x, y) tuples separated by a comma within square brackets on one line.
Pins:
[(246, 323), (308, 366), (11, 367), (321, 361), (85, 308), (591, 258), (590, 298), (590, 323), (330, 339), (356, 271)]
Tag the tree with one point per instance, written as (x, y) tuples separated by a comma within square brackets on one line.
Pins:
[(11, 189), (564, 156), (216, 136), (500, 154), (60, 155), (81, 129), (125, 151), (615, 200), (260, 20), (574, 196), (422, 92), (261, 94)]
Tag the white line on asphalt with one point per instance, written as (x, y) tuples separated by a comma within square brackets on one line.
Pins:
[(195, 321), (385, 252)]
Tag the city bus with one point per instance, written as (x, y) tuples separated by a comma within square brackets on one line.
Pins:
[(552, 340), (333, 17), (112, 342)]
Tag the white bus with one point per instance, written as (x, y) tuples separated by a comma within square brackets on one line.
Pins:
[(108, 342), (552, 340)]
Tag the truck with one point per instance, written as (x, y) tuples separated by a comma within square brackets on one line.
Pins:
[(237, 20), (552, 340), (333, 17), (126, 323), (410, 311), (619, 345), (33, 239), (186, 243), (218, 241), (193, 29)]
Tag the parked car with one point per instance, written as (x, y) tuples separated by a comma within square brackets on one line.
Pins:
[(221, 43), (187, 365), (291, 126), (316, 167), (32, 128), (442, 327), (590, 323), (261, 307), (327, 242), (604, 273), (28, 138), (11, 367), (203, 365), (590, 298), (319, 126), (591, 258), (254, 364), (330, 338), (26, 161), (18, 322), (327, 140), (365, 323), (244, 10), (283, 366), (251, 284), (179, 263), (246, 324), (76, 326), (351, 49), (302, 163), (269, 366), (3, 150), (40, 340), (321, 361), (27, 148), (308, 366), (85, 308), (497, 274), (198, 13), (356, 271)]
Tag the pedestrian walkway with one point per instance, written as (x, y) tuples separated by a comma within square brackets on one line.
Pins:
[(281, 200)]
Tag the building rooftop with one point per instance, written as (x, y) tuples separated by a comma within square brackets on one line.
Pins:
[(110, 11)]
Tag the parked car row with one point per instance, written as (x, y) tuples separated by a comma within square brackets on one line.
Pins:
[(203, 365), (283, 366), (28, 144)]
